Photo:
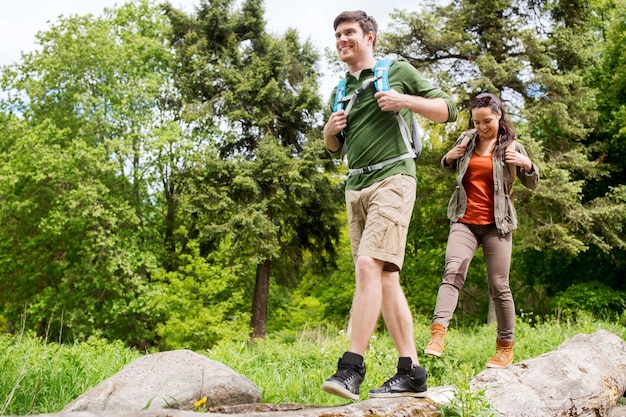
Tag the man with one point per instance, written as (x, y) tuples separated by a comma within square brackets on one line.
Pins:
[(380, 194)]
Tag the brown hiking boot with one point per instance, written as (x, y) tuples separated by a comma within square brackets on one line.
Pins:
[(437, 336), (503, 356)]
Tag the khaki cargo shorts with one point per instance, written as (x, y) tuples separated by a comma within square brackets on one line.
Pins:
[(379, 217)]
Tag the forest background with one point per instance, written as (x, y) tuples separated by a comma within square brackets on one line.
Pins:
[(164, 183)]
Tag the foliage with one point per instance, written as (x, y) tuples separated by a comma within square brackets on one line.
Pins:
[(40, 377), (202, 302), (538, 57), (607, 146), (608, 78), (178, 161), (74, 253), (467, 403), (105, 212), (497, 51), (77, 169), (268, 196), (323, 297), (592, 297)]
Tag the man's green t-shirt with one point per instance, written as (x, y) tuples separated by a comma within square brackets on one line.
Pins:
[(374, 135)]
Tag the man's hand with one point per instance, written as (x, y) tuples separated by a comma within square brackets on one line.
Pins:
[(390, 100), (335, 124)]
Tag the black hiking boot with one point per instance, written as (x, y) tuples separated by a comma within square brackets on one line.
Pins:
[(410, 381), (348, 378)]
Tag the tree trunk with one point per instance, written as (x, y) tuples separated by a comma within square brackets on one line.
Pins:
[(585, 376), (259, 303), (170, 226)]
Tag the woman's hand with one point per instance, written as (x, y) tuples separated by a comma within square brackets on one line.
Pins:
[(455, 153), (518, 159)]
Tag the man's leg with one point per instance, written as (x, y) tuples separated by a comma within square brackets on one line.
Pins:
[(378, 216), (397, 316), (351, 366), (410, 379), (364, 315), (366, 304)]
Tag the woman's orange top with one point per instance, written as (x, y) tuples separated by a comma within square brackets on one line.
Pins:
[(478, 184)]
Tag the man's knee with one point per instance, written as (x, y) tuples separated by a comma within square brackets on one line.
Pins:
[(391, 281), (368, 269), (365, 263)]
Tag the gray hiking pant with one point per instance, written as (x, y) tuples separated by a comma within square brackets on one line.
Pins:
[(463, 241)]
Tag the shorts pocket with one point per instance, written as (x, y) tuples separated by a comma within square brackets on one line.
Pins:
[(393, 231)]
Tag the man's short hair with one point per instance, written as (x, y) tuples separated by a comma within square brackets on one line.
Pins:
[(368, 23)]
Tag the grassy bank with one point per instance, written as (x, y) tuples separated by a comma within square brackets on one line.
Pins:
[(40, 377)]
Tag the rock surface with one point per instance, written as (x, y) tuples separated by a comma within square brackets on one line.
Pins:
[(584, 376), (391, 407), (173, 379)]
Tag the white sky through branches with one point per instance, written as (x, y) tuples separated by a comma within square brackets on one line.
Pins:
[(21, 20)]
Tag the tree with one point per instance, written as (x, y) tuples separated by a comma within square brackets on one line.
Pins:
[(535, 55), (607, 144), (269, 197), (77, 247), (151, 174)]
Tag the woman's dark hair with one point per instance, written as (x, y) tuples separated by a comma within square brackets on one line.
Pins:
[(368, 23), (506, 134)]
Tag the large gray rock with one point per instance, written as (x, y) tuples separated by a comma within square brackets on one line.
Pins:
[(585, 376), (174, 379)]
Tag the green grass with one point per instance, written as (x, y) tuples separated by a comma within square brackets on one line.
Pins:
[(39, 377), (288, 370)]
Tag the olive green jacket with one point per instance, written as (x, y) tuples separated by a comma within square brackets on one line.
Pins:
[(504, 211)]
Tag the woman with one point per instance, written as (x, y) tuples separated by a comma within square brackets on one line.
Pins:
[(481, 213)]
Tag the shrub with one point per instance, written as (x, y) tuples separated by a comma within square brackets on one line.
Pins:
[(593, 297)]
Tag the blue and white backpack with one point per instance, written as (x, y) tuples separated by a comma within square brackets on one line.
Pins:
[(410, 135)]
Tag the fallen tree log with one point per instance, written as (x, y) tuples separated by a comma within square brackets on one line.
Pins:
[(584, 376)]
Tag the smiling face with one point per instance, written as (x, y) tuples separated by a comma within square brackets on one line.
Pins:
[(354, 46), (486, 122)]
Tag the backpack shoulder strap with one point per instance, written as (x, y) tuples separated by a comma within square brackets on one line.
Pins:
[(339, 95), (410, 135), (381, 72)]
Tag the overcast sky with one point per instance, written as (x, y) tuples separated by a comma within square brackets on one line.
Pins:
[(21, 20)]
